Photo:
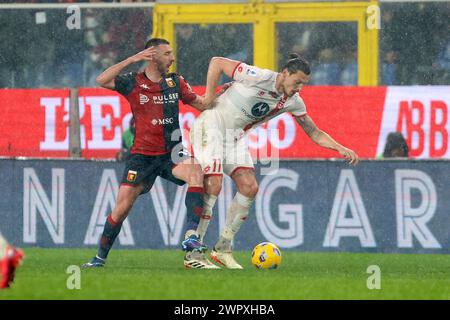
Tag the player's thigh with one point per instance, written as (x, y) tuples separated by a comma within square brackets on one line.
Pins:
[(126, 197), (239, 166), (140, 172), (189, 171), (128, 194), (237, 157)]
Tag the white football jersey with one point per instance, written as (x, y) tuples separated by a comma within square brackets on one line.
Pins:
[(253, 99)]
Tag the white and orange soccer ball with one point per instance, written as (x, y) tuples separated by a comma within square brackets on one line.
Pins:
[(266, 255)]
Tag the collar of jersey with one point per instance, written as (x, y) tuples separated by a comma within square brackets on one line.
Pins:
[(274, 88), (152, 86)]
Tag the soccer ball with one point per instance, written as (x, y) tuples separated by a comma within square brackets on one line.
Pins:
[(266, 255)]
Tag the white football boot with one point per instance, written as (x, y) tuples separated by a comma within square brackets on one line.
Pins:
[(222, 254), (225, 258), (197, 260)]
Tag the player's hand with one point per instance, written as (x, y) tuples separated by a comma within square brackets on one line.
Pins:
[(146, 55), (208, 101), (350, 155)]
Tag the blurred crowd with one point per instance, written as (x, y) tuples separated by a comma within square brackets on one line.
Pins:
[(70, 1), (37, 49), (415, 43), (198, 43), (414, 46), (330, 47)]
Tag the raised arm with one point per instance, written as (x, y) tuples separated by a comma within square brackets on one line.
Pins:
[(106, 78), (324, 140), (217, 66)]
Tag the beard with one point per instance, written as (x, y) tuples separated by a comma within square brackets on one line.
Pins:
[(162, 69)]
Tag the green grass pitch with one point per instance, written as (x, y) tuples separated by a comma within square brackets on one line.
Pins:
[(160, 275)]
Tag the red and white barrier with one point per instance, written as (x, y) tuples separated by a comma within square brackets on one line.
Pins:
[(34, 122)]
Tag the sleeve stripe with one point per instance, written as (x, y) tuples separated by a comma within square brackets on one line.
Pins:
[(234, 70)]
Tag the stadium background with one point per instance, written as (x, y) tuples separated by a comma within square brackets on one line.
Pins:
[(373, 72)]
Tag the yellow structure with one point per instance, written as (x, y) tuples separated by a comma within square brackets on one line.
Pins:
[(264, 17)]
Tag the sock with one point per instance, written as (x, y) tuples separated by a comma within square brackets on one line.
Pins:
[(110, 233), (209, 200), (194, 206), (3, 246), (237, 214)]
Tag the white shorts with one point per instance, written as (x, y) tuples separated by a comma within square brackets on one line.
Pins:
[(216, 149)]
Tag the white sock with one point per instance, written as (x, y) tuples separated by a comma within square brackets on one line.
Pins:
[(209, 200), (237, 214), (3, 246)]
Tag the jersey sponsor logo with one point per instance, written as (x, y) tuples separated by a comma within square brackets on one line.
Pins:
[(131, 176), (143, 98), (261, 93), (273, 94), (260, 109), (248, 115), (162, 121), (170, 82), (251, 72), (144, 86), (169, 98)]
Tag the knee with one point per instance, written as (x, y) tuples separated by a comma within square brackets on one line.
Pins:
[(125, 201), (249, 189), (123, 208), (196, 176), (213, 185)]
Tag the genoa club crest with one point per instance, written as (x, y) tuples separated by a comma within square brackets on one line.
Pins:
[(170, 82), (131, 175)]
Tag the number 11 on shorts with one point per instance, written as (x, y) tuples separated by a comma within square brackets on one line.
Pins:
[(217, 167)]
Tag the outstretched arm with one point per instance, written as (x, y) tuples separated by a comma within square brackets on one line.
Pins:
[(106, 78), (217, 66), (324, 140)]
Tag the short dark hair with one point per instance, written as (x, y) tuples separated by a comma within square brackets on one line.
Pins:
[(297, 63), (153, 42), (395, 142)]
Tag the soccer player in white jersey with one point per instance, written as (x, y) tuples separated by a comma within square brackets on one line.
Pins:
[(255, 96)]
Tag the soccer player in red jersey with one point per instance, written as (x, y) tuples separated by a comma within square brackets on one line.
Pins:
[(154, 95), (10, 259)]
